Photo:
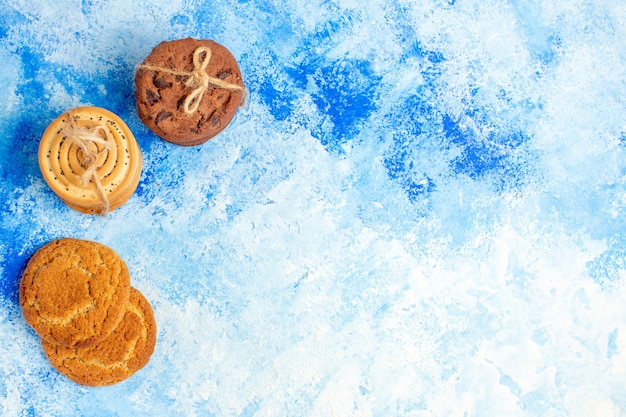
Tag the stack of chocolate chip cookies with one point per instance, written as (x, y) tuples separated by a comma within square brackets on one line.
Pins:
[(95, 327), (188, 90)]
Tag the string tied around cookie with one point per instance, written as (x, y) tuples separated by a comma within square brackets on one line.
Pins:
[(197, 79), (91, 144)]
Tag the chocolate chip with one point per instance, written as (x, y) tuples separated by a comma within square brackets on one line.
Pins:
[(161, 82), (226, 104), (222, 75), (215, 120), (162, 115), (152, 97)]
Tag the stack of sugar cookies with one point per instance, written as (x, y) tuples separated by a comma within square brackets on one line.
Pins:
[(95, 327), (90, 159)]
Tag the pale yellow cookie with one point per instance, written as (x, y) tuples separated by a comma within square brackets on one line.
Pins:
[(90, 159)]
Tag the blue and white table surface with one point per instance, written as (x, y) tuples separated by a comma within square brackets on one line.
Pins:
[(420, 211)]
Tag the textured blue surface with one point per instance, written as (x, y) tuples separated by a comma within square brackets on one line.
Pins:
[(420, 212)]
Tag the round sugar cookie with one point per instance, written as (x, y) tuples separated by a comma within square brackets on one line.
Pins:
[(90, 159), (115, 358), (188, 90), (74, 292)]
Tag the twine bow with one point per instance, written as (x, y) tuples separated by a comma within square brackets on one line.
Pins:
[(89, 142), (198, 79)]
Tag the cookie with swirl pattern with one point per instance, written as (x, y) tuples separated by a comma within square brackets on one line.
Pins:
[(89, 157)]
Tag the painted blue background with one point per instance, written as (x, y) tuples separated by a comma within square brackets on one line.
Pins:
[(420, 211)]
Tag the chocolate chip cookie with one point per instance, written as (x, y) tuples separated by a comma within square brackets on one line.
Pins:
[(188, 90)]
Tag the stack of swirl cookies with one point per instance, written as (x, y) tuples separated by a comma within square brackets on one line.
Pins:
[(90, 159), (95, 327)]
